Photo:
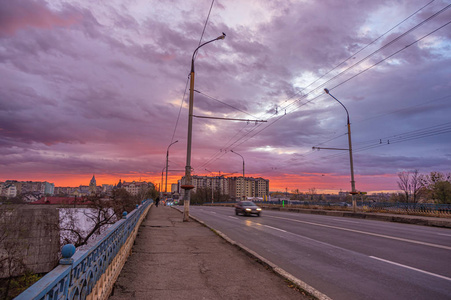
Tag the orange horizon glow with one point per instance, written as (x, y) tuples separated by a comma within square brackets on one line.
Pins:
[(322, 183)]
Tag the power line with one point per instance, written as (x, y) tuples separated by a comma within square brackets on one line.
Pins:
[(390, 56), (402, 137), (298, 105), (231, 106), (366, 46), (206, 21), (187, 81), (180, 110), (403, 109), (416, 26)]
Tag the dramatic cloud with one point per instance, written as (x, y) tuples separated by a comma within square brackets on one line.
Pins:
[(97, 88)]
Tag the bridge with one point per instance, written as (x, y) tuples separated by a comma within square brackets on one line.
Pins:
[(152, 253)]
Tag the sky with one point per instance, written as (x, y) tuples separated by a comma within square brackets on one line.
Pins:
[(101, 88)]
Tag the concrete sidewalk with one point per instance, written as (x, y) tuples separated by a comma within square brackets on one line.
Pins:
[(172, 259)]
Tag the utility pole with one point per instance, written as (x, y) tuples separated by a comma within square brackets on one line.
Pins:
[(353, 191), (188, 185), (167, 161)]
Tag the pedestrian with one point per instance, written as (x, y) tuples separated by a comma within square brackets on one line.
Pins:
[(157, 201)]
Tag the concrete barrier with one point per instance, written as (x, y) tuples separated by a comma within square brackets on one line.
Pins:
[(29, 239)]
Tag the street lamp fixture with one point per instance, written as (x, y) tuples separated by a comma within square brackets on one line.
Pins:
[(188, 185), (167, 160), (353, 191)]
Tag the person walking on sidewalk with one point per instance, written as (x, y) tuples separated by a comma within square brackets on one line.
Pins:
[(157, 201)]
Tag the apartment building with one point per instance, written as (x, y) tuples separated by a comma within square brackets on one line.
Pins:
[(25, 187), (236, 187), (136, 187)]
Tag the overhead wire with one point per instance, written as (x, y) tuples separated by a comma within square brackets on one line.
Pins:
[(377, 140), (222, 102), (403, 109), (402, 137), (237, 142), (393, 54), (373, 53), (357, 52), (188, 78), (187, 81), (363, 48)]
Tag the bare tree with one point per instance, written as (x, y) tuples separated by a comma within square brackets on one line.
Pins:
[(312, 193), (410, 183), (100, 214), (296, 194), (97, 219)]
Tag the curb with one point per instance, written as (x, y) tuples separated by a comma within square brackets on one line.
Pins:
[(279, 271)]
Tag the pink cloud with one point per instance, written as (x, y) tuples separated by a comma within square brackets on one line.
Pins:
[(17, 15)]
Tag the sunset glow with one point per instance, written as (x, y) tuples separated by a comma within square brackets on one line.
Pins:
[(101, 88)]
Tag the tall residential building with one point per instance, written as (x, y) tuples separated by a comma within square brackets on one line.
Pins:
[(8, 189), (217, 183), (236, 187), (248, 187)]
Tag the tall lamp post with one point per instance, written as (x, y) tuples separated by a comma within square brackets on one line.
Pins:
[(244, 180), (167, 159), (188, 185), (241, 157), (161, 184), (353, 191)]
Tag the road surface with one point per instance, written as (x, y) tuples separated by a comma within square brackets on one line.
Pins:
[(345, 258)]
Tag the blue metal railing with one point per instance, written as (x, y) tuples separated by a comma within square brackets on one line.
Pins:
[(76, 276)]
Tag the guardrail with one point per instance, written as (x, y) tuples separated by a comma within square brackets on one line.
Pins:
[(420, 209), (91, 273)]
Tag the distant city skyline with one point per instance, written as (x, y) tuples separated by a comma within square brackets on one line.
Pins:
[(74, 184), (101, 88)]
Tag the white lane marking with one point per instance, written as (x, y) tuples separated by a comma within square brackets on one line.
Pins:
[(411, 268), (213, 212), (367, 233), (444, 234), (233, 217), (274, 228), (340, 220)]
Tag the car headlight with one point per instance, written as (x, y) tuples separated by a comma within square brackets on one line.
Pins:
[(259, 209), (248, 209)]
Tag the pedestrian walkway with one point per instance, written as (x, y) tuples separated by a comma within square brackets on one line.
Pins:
[(172, 259)]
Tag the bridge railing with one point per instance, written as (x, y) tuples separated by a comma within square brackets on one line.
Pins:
[(423, 209), (91, 273)]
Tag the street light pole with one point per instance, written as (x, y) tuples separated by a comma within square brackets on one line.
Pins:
[(161, 185), (353, 191), (241, 157), (188, 185), (244, 180), (167, 160)]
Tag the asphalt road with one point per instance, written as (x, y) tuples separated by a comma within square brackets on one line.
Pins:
[(342, 257)]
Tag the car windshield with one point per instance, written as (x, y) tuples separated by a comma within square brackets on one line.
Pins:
[(248, 203)]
